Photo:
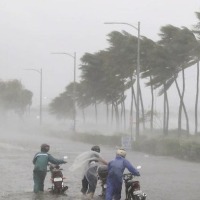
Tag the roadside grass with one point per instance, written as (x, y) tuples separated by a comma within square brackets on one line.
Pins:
[(179, 146)]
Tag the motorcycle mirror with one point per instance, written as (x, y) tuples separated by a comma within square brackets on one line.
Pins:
[(65, 157), (139, 167)]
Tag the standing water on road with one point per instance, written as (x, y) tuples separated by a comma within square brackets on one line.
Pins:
[(162, 178)]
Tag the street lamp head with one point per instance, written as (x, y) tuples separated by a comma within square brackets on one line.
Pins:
[(114, 23), (36, 70), (137, 28), (65, 53)]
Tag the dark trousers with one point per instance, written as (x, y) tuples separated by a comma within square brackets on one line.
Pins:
[(38, 178), (84, 185), (92, 181)]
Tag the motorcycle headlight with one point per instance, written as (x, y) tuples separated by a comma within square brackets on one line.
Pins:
[(144, 196)]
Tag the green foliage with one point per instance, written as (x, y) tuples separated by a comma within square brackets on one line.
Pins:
[(190, 150), (13, 96), (179, 147), (92, 138), (62, 106), (107, 74)]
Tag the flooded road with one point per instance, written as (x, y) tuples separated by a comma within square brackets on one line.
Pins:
[(162, 178)]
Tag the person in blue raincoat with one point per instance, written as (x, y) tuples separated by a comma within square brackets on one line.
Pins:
[(40, 162), (116, 168)]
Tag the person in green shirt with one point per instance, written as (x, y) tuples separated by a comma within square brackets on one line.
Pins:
[(40, 161)]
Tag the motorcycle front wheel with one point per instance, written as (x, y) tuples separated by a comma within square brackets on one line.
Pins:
[(133, 197)]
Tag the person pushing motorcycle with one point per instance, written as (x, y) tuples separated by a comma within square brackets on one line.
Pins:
[(40, 162), (116, 168), (89, 181)]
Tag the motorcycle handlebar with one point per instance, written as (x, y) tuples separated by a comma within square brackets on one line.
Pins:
[(128, 176)]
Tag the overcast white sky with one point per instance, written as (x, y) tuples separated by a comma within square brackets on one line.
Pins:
[(32, 29)]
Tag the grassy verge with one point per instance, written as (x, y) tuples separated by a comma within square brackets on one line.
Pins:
[(184, 147)]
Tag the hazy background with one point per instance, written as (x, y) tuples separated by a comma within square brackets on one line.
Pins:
[(32, 29)]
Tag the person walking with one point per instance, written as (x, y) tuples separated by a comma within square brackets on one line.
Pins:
[(89, 181), (40, 161), (116, 168)]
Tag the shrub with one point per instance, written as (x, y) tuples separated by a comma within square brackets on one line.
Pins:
[(187, 148)]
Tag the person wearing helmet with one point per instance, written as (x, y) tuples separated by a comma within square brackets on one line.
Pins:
[(89, 181), (96, 148), (40, 162), (116, 168)]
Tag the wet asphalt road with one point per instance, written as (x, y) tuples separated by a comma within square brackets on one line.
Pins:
[(162, 178)]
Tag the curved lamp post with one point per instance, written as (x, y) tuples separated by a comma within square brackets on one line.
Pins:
[(40, 72), (74, 88), (137, 74)]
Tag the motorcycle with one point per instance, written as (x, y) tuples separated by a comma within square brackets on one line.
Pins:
[(132, 187), (102, 172), (57, 180)]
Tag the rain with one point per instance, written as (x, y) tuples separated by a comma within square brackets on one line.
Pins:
[(111, 73)]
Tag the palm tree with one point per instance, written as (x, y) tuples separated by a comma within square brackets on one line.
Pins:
[(101, 83), (123, 49), (197, 32), (62, 106), (179, 43), (147, 56)]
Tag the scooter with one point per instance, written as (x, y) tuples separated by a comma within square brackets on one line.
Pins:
[(102, 172), (132, 187), (57, 180)]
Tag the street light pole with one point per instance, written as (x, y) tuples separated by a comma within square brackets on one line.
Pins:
[(40, 72), (137, 75), (138, 85), (74, 86)]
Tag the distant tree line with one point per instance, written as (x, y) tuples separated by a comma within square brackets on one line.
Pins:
[(107, 74), (14, 97)]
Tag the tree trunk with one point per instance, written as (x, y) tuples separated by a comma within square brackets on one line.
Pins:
[(152, 107), (96, 111), (124, 115), (142, 108), (117, 116), (121, 114), (181, 105), (112, 114), (83, 113), (196, 102), (107, 113), (131, 110), (184, 109), (165, 112), (167, 115)]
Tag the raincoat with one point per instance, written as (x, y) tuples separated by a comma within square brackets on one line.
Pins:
[(40, 162), (114, 181), (89, 180), (91, 176)]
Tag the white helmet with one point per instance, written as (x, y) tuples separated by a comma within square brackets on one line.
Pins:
[(121, 152)]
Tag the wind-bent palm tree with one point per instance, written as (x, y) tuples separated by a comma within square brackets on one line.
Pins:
[(147, 56), (197, 32), (179, 43), (63, 106)]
